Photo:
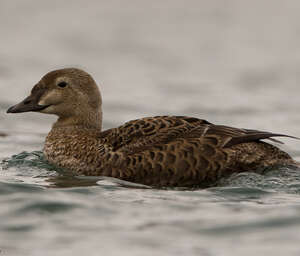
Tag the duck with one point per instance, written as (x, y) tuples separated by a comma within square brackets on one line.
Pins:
[(158, 151)]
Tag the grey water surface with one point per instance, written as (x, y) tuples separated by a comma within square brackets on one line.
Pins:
[(231, 62)]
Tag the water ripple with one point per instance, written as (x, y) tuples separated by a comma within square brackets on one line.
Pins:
[(40, 201)]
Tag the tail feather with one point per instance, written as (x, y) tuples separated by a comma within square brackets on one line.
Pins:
[(255, 137)]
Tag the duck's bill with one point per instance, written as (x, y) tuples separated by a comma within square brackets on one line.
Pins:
[(27, 105)]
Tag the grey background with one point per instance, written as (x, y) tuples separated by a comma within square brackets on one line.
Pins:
[(232, 62)]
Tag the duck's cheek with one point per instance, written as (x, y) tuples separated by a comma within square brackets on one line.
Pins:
[(50, 98), (49, 110), (61, 110)]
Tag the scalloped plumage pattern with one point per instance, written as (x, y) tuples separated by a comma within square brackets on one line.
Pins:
[(163, 151)]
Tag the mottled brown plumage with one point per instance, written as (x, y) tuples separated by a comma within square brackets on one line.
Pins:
[(156, 151)]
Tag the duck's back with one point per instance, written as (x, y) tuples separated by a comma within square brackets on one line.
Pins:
[(163, 151)]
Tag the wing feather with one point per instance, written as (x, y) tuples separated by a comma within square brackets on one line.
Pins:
[(138, 135)]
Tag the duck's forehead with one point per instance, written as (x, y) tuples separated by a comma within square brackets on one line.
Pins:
[(54, 75), (77, 78), (39, 86), (68, 74), (47, 80)]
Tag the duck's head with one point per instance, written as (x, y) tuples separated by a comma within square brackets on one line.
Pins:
[(70, 93)]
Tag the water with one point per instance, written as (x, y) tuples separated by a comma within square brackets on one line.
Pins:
[(230, 62)]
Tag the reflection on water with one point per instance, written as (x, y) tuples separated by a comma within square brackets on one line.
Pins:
[(82, 210), (45, 203)]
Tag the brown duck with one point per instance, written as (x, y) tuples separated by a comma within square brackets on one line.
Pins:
[(156, 151)]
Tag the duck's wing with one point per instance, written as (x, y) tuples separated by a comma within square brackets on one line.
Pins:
[(146, 150), (137, 135), (231, 136), (149, 131)]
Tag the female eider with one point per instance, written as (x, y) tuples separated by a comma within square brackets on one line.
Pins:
[(155, 151)]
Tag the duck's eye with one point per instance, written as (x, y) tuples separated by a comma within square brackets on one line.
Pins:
[(62, 84)]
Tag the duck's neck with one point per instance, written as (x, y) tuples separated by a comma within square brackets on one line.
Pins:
[(90, 120)]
